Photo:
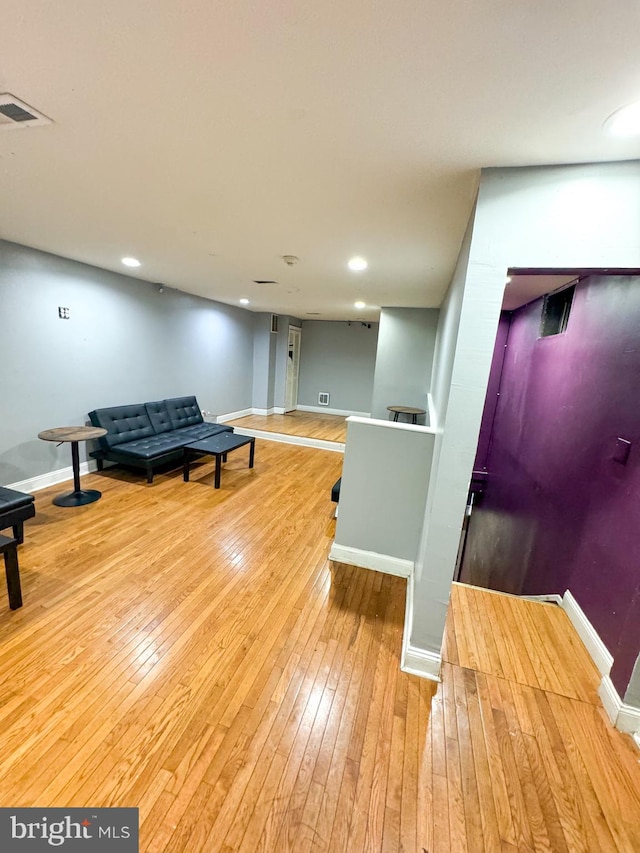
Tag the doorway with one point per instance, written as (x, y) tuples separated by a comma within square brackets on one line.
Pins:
[(553, 496), (293, 369)]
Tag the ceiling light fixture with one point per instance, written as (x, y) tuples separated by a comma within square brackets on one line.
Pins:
[(624, 122), (357, 264), (244, 301), (131, 262), (359, 305)]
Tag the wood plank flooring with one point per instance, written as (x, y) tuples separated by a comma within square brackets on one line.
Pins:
[(523, 755), (307, 424), (192, 652)]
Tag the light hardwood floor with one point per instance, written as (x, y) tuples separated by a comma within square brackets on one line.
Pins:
[(307, 424), (523, 756), (192, 652)]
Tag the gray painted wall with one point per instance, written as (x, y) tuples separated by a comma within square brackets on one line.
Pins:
[(560, 216), (404, 359), (264, 362), (338, 358), (124, 343), (384, 485)]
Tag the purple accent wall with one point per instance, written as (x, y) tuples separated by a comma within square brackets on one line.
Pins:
[(558, 511)]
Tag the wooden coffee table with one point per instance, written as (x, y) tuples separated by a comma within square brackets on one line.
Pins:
[(74, 434), (218, 446)]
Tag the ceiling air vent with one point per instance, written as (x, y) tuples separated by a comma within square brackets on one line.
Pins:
[(264, 281), (15, 113)]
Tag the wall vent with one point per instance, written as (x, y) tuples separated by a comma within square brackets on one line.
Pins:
[(15, 113), (323, 398), (274, 324), (264, 281)]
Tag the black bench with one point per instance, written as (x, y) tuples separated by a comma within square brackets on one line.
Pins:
[(15, 509)]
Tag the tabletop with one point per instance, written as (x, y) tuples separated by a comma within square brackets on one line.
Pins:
[(72, 433), (220, 443), (406, 410)]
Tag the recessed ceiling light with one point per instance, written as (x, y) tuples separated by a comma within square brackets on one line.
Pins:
[(625, 121), (357, 264), (359, 305), (244, 301), (131, 262)]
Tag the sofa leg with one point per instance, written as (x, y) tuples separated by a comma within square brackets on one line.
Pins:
[(149, 475), (100, 463)]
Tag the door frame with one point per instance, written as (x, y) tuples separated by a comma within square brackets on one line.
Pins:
[(293, 368)]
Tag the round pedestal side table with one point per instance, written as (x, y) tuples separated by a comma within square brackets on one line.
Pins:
[(74, 434), (410, 411)]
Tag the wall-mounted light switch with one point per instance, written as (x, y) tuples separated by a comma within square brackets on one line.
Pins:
[(63, 313), (621, 452)]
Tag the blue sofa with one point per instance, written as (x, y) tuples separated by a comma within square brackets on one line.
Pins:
[(148, 435)]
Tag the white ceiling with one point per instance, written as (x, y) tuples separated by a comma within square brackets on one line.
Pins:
[(209, 138), (523, 288)]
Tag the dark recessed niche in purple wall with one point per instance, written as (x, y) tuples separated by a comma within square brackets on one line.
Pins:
[(556, 308)]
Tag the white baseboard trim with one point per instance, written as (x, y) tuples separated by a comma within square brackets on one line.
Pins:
[(420, 662), (51, 478), (599, 652), (335, 446), (625, 718), (325, 410), (610, 699), (371, 560), (544, 599), (278, 410), (230, 416), (413, 660)]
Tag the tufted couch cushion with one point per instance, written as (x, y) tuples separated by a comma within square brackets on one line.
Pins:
[(154, 446), (183, 411), (123, 424), (159, 416)]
